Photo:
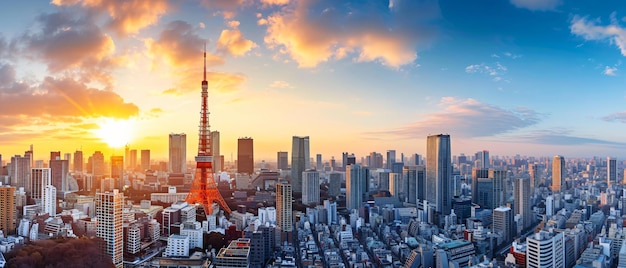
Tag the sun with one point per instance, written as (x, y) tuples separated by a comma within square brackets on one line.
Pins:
[(116, 133)]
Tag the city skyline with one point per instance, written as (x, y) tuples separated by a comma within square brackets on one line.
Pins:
[(385, 74)]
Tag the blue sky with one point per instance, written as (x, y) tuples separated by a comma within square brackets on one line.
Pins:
[(530, 77)]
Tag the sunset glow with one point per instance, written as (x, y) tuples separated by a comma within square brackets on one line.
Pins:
[(116, 133)]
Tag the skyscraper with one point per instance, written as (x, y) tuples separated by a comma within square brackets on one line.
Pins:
[(97, 160), (482, 159), (283, 207), (521, 195), (310, 187), (40, 178), (145, 160), (611, 170), (439, 173), (177, 153), (558, 173), (55, 155), (503, 223), (49, 200), (59, 170), (282, 160), (488, 187), (20, 172), (132, 159), (117, 171), (535, 173), (300, 161), (318, 162), (79, 161), (357, 185), (414, 180), (109, 225), (391, 158), (215, 148), (7, 209), (245, 155)]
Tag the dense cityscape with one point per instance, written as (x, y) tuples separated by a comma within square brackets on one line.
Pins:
[(312, 133)]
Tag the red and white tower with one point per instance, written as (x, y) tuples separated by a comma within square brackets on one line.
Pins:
[(204, 190)]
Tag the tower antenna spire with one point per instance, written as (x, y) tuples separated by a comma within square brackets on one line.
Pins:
[(204, 62)]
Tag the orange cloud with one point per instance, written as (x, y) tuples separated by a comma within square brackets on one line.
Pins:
[(71, 44), (126, 16), (63, 99), (275, 2), (233, 42), (311, 32), (218, 82), (180, 46)]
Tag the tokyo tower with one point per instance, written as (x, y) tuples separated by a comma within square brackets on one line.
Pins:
[(204, 190)]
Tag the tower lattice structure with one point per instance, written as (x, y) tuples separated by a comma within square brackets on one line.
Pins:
[(204, 190)]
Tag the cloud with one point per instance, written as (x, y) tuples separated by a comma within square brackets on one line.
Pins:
[(610, 71), (280, 84), (537, 5), (590, 30), (496, 70), (312, 32), (180, 46), (616, 117), (68, 43), (468, 118), (275, 2), (231, 41), (125, 16), (218, 82), (64, 99), (557, 137), (225, 5)]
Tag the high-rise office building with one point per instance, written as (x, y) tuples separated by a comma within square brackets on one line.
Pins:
[(546, 250), (49, 200), (535, 173), (482, 160), (357, 185), (414, 182), (611, 170), (300, 161), (318, 162), (310, 187), (40, 178), (488, 187), (375, 160), (177, 153), (109, 225), (117, 171), (98, 167), (245, 155), (283, 207), (145, 160), (391, 158), (20, 172), (439, 173), (59, 172), (7, 209), (503, 223), (55, 155), (132, 159), (282, 160), (558, 173), (78, 161), (334, 186), (521, 195), (215, 152)]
